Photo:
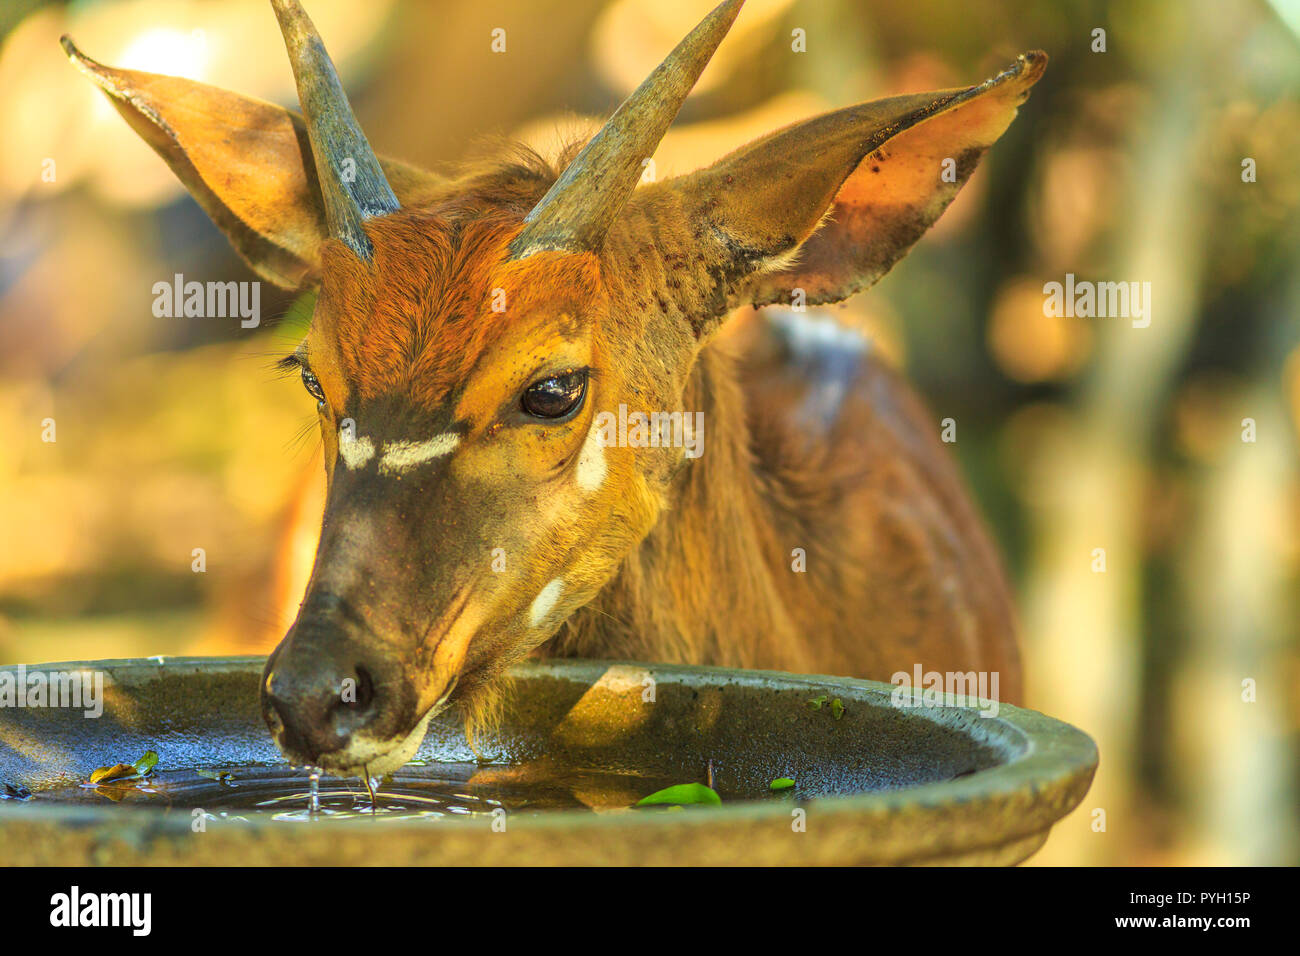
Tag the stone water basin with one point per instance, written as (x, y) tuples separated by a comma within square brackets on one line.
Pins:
[(581, 742)]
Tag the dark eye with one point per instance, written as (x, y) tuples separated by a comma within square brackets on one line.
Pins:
[(312, 384), (556, 397)]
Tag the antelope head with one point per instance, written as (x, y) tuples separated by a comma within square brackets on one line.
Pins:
[(468, 333)]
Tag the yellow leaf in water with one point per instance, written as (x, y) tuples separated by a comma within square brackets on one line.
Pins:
[(112, 773)]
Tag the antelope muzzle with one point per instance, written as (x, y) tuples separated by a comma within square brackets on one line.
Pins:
[(335, 697)]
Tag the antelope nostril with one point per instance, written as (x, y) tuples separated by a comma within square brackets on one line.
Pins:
[(365, 689), (280, 720), (274, 719)]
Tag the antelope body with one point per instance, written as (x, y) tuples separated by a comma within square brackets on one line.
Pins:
[(475, 512)]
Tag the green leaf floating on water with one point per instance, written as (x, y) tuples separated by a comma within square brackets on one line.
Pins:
[(836, 708), (682, 793), (146, 763), (781, 783)]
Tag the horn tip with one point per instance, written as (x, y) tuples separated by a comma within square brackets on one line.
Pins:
[(574, 215), (722, 16), (726, 12), (103, 76), (290, 12), (73, 54)]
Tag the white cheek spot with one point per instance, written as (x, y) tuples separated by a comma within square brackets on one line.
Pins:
[(400, 456), (591, 460), (355, 452), (544, 603)]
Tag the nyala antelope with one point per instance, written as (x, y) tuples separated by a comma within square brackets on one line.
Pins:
[(475, 513)]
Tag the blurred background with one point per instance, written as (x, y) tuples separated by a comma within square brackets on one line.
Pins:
[(1180, 657)]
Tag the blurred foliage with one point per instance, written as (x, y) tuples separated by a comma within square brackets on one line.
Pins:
[(1076, 433)]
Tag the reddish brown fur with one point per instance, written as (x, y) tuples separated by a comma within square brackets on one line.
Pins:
[(900, 571), (663, 558), (418, 315)]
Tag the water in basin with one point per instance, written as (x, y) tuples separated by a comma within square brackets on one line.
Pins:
[(435, 791)]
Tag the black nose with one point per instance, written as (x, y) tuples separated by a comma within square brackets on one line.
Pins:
[(320, 689)]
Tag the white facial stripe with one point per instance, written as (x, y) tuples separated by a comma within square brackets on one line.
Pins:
[(400, 456), (544, 603), (355, 452), (591, 461)]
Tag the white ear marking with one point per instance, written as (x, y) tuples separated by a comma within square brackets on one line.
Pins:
[(544, 603), (400, 456)]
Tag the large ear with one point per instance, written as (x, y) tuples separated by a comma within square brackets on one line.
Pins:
[(247, 162), (873, 177)]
